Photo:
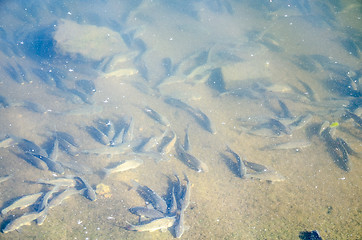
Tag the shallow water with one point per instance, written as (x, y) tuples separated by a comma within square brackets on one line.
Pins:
[(256, 45)]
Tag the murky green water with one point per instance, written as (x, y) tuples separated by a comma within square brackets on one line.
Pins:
[(137, 53)]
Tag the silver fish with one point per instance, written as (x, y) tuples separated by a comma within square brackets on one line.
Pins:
[(153, 225), (146, 212), (123, 166), (90, 193), (26, 219), (22, 203)]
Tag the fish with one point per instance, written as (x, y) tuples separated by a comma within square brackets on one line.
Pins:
[(151, 196), (5, 178), (167, 143), (146, 212), (66, 137), (190, 160), (89, 192), (98, 135), (52, 165), (336, 149), (25, 219), (300, 122), (156, 116), (87, 86), (4, 102), (288, 145), (58, 199), (46, 197), (355, 117), (185, 198), (179, 226), (29, 146), (62, 182), (22, 202), (255, 166), (186, 145), (268, 176), (172, 208), (240, 162), (153, 225), (35, 161), (7, 142), (123, 166)]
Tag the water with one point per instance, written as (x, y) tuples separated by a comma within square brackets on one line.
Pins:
[(138, 52)]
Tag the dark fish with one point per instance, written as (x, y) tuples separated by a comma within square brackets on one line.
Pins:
[(255, 166), (172, 208), (240, 162), (336, 150), (31, 147), (52, 165), (308, 91), (190, 160), (356, 118), (151, 196), (197, 114), (146, 212), (285, 110), (167, 64), (11, 71), (87, 86), (202, 120), (98, 135), (186, 195), (156, 116), (36, 162), (66, 137), (84, 97), (89, 192), (351, 47), (346, 147), (4, 102), (177, 103), (300, 122), (216, 80), (186, 145)]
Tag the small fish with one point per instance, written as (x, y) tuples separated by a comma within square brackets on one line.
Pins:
[(300, 122), (29, 146), (45, 199), (288, 145), (63, 182), (87, 86), (255, 166), (156, 116), (26, 219), (98, 135), (58, 199), (185, 198), (151, 196), (179, 226), (355, 117), (52, 165), (22, 202), (190, 160), (268, 176), (35, 161), (153, 225), (123, 166), (167, 143), (146, 212), (336, 149), (240, 162), (66, 137), (5, 178), (89, 192), (186, 145)]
